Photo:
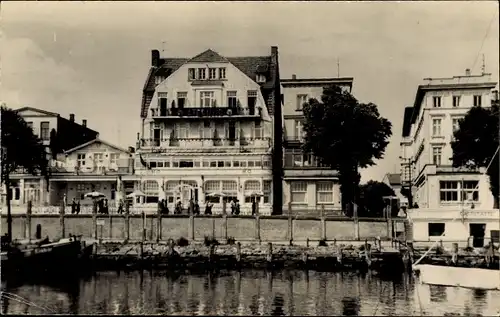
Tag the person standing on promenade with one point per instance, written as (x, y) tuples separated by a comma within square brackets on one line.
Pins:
[(73, 206)]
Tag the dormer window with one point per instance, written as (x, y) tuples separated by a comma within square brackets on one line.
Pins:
[(212, 73), (261, 78), (201, 73), (191, 73), (222, 73)]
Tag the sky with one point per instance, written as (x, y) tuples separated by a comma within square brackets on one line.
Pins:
[(92, 58)]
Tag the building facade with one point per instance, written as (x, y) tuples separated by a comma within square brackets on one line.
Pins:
[(307, 185), (453, 201), (207, 130), (52, 129)]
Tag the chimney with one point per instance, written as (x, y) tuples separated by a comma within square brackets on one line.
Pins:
[(155, 58), (274, 54), (84, 122), (294, 76), (467, 72), (72, 117)]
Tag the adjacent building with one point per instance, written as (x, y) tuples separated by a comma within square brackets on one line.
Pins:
[(453, 201), (307, 185), (208, 124), (55, 132)]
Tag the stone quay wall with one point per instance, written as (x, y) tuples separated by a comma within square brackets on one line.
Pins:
[(116, 227)]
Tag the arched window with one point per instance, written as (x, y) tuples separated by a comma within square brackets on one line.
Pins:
[(229, 190), (151, 191)]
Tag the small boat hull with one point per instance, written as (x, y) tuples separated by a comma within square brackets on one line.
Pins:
[(458, 276)]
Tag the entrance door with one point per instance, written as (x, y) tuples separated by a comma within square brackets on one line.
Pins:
[(231, 133), (477, 231)]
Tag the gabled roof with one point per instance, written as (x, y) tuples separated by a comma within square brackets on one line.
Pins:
[(44, 112), (394, 179), (249, 65), (81, 146), (208, 56)]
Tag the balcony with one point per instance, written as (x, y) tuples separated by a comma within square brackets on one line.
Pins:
[(92, 169), (293, 140), (204, 144), (203, 113)]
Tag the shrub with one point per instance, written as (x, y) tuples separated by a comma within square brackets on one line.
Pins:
[(208, 241), (182, 242), (322, 243)]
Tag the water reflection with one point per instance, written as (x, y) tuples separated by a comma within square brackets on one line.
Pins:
[(248, 293)]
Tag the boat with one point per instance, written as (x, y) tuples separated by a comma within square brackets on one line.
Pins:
[(44, 256), (476, 278)]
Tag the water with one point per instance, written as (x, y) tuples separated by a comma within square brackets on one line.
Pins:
[(248, 292)]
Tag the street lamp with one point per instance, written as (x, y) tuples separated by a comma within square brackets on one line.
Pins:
[(410, 163)]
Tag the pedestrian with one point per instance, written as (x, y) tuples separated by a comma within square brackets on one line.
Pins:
[(196, 207), (105, 206), (237, 207), (233, 205), (120, 206), (254, 206), (77, 207)]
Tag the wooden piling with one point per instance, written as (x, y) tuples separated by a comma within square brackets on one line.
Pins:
[(339, 254), (305, 258), (211, 253), (191, 227), (238, 252), (323, 223), (94, 218), (170, 247), (307, 242), (224, 225), (257, 228), (127, 222), (61, 220), (28, 219), (269, 255), (454, 253)]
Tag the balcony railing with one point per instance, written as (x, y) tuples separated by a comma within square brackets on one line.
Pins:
[(204, 143), (212, 112), (293, 138)]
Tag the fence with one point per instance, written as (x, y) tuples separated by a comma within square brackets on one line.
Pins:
[(144, 226)]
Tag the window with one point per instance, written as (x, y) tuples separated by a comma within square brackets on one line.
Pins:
[(151, 191), (99, 160), (495, 236), (435, 229), (436, 127), (229, 190), (267, 191), (232, 101), (212, 73), (181, 99), (252, 188), (456, 101), (324, 192), (470, 191), (448, 191), (201, 73), (251, 101), (206, 132), (113, 158), (162, 103), (301, 100), (436, 101), (477, 101), (298, 130), (80, 160), (44, 130), (181, 130), (456, 124), (207, 99), (222, 73), (191, 73), (298, 192), (436, 155), (257, 130), (260, 79)]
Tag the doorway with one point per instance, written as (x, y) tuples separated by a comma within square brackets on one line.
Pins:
[(156, 136), (477, 231), (231, 132)]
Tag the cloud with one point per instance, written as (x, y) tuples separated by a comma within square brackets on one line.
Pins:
[(27, 74)]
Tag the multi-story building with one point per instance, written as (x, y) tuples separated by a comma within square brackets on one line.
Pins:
[(454, 201), (207, 130), (307, 184), (49, 127)]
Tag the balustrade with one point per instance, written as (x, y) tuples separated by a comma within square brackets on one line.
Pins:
[(204, 112), (198, 143)]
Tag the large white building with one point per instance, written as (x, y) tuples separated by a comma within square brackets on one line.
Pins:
[(207, 130), (453, 201)]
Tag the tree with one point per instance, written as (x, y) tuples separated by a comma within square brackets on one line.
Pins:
[(476, 142), (20, 149), (372, 202), (345, 135)]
